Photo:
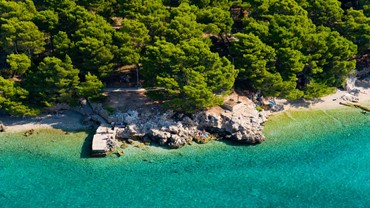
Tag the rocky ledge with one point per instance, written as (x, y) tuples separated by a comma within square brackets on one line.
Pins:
[(2, 127), (241, 122)]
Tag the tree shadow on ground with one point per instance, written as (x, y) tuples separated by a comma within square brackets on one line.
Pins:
[(302, 103), (365, 83), (68, 121), (124, 101)]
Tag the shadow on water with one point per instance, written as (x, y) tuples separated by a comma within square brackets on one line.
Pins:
[(156, 144), (86, 146), (236, 143), (224, 141)]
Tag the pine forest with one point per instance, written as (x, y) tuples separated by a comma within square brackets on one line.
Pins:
[(193, 52)]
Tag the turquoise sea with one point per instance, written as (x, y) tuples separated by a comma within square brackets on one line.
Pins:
[(310, 159)]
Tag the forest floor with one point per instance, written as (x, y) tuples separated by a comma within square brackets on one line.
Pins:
[(129, 100)]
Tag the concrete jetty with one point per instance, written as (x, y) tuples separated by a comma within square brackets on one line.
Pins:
[(103, 141)]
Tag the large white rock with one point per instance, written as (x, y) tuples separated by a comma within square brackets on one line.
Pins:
[(242, 124)]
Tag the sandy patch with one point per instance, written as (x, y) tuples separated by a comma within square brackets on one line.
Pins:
[(66, 121), (327, 102)]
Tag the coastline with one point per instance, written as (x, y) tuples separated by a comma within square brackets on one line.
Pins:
[(331, 101), (70, 120)]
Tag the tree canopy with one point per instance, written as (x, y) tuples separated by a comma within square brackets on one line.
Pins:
[(53, 81), (193, 77), (192, 51), (289, 55)]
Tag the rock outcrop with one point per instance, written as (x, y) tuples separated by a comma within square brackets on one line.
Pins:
[(243, 124), (350, 98), (2, 127)]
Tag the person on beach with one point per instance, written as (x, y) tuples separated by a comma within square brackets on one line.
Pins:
[(204, 133), (2, 127)]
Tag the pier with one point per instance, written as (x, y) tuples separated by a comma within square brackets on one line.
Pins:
[(103, 141)]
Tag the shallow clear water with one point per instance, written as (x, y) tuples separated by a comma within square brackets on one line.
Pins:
[(310, 159)]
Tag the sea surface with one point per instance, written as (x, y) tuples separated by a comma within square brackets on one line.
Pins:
[(310, 159)]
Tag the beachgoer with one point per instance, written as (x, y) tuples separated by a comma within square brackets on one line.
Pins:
[(112, 124), (204, 133), (2, 127)]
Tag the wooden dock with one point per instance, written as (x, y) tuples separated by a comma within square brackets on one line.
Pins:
[(103, 141)]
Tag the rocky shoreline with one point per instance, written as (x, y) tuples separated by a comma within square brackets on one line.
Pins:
[(239, 119), (242, 123)]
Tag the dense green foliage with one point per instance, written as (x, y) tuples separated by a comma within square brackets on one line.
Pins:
[(55, 51), (53, 81), (283, 53), (190, 73)]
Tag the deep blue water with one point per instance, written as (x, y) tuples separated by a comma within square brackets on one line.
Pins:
[(310, 159)]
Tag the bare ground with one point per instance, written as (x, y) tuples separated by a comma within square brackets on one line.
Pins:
[(67, 120), (124, 101)]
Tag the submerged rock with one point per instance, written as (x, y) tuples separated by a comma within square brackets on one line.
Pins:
[(350, 98)]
